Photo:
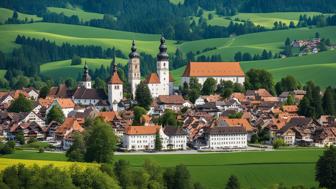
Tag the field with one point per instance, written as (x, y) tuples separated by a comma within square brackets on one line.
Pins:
[(7, 13), (254, 169), (254, 43), (320, 68), (217, 20), (82, 15), (267, 19), (82, 35), (64, 69)]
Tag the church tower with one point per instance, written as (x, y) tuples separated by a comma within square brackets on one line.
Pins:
[(115, 89), (86, 79), (163, 67), (134, 69)]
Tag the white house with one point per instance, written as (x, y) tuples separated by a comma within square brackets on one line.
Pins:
[(143, 138), (227, 138), (33, 93), (66, 105), (226, 71), (33, 117), (140, 137), (174, 138)]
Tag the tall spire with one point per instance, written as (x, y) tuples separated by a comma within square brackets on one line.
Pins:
[(134, 53), (86, 76), (163, 55)]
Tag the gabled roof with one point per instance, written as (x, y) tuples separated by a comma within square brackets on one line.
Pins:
[(115, 79), (173, 99), (213, 69), (152, 78), (108, 116), (239, 122), (84, 93), (65, 102), (290, 108), (142, 130), (45, 102), (61, 91), (171, 130), (227, 130), (68, 124)]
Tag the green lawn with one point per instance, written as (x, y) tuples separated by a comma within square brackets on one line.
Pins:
[(82, 15), (267, 19), (64, 69), (254, 169), (8, 13), (176, 1), (217, 20), (82, 35)]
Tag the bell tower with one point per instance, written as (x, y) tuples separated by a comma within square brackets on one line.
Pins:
[(163, 67), (134, 68), (86, 79), (115, 89)]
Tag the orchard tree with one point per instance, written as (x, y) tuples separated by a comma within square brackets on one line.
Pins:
[(138, 113), (77, 150), (21, 104), (143, 95), (55, 114), (233, 183), (100, 142), (326, 169), (158, 142)]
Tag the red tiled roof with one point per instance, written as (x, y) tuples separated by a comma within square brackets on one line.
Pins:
[(173, 99), (115, 79), (213, 69), (69, 123), (66, 103), (153, 78), (142, 130), (239, 122), (108, 116)]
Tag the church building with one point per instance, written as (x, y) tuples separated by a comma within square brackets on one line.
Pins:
[(159, 82)]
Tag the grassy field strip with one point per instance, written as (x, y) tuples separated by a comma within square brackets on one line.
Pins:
[(82, 15), (8, 13), (64, 69), (2, 73), (267, 19), (254, 169)]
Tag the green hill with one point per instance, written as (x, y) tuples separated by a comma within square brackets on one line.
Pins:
[(255, 43), (267, 19), (82, 15), (7, 13), (64, 69), (83, 35), (2, 73)]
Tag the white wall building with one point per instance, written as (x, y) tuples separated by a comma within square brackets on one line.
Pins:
[(115, 90), (227, 138), (143, 138), (226, 71)]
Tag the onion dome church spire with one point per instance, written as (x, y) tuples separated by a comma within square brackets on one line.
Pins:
[(86, 76), (163, 55), (134, 53)]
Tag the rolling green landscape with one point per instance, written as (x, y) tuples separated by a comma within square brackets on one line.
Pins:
[(8, 13), (64, 69), (82, 15), (291, 167)]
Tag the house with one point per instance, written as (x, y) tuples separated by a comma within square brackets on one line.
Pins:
[(63, 133), (175, 138), (220, 71), (88, 96), (66, 105), (299, 130), (29, 130), (32, 93), (140, 137), (222, 122), (226, 138), (173, 102), (325, 136), (34, 117)]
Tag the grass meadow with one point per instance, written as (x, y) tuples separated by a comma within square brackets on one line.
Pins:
[(64, 69), (254, 169), (82, 35), (8, 13), (82, 15)]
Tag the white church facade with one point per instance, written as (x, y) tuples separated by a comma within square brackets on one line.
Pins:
[(159, 83)]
